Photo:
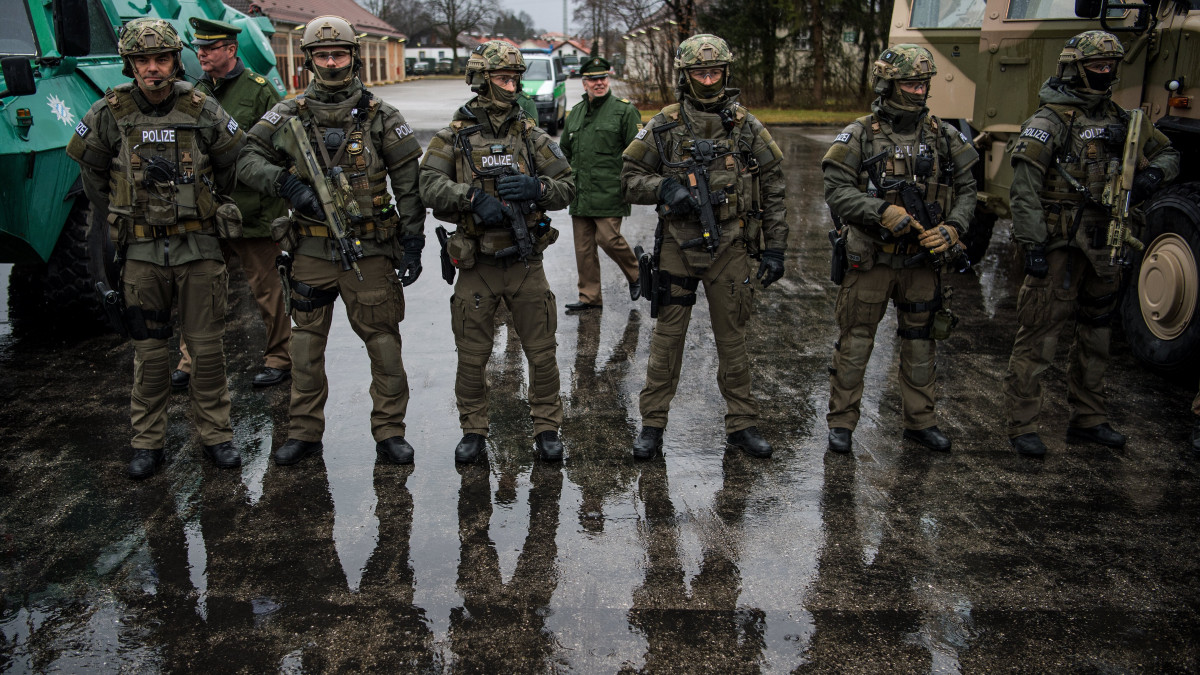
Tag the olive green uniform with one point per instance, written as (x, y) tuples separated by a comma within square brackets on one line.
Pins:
[(167, 233), (726, 276), (1068, 129), (372, 149), (484, 281), (882, 270), (246, 95), (596, 132)]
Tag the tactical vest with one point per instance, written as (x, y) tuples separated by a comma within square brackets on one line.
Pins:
[(1093, 147), (161, 181), (342, 139), (730, 170), (922, 157), (490, 155)]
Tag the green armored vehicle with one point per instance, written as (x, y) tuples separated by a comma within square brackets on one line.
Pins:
[(994, 55), (58, 57)]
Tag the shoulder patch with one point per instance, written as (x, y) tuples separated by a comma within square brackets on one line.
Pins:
[(82, 129), (272, 117), (1037, 134), (232, 126), (557, 151), (623, 100), (259, 79), (403, 130), (641, 133), (843, 137)]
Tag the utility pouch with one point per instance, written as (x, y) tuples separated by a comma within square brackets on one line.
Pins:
[(492, 242), (543, 242), (860, 251), (228, 220), (943, 322), (283, 233), (752, 234), (461, 250)]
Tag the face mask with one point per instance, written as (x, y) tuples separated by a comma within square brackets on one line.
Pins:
[(501, 95), (1098, 81), (334, 77), (705, 92), (905, 101)]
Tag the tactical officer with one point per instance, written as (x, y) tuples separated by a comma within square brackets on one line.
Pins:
[(707, 130), (157, 157), (245, 95), (597, 130), (1070, 142), (891, 254), (494, 174), (366, 141)]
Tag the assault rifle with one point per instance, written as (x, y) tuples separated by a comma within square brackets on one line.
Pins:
[(332, 190), (514, 212), (928, 215), (703, 153), (1117, 191)]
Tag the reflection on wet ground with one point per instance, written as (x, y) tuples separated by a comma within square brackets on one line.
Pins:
[(890, 560)]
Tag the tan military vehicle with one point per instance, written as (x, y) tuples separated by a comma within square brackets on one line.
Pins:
[(992, 58)]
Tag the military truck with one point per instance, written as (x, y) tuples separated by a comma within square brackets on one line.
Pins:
[(58, 57), (992, 58)]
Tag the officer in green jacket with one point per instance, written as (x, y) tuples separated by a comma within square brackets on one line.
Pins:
[(245, 95), (1067, 264), (597, 130), (370, 142), (494, 174), (135, 147)]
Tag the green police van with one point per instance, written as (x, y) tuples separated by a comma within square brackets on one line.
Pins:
[(545, 81)]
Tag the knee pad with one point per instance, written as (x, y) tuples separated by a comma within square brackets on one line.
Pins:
[(733, 369), (917, 361), (208, 363), (387, 366)]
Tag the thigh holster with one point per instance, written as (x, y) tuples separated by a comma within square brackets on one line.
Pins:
[(311, 298), (136, 317)]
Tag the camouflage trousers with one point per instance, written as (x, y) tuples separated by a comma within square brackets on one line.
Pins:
[(527, 296), (375, 308), (202, 289), (861, 303), (1043, 308), (727, 287)]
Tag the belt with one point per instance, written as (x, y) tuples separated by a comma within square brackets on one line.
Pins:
[(156, 231), (323, 230), (900, 248)]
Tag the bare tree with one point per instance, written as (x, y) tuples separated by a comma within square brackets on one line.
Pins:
[(407, 16), (450, 18)]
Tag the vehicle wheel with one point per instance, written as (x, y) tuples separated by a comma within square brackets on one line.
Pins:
[(1159, 310), (979, 235), (60, 292)]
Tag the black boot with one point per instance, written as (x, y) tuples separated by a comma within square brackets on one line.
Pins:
[(224, 455), (469, 448), (548, 446), (145, 463), (750, 441), (839, 439), (180, 379), (295, 450), (648, 443), (269, 377), (635, 289), (932, 438), (394, 450), (1101, 433), (1030, 445)]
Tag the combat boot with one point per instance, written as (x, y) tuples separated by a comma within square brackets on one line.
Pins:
[(145, 463), (548, 446), (648, 443), (469, 448), (394, 450), (1101, 433), (1030, 445), (295, 450), (839, 439), (180, 379), (750, 441), (224, 455), (932, 438)]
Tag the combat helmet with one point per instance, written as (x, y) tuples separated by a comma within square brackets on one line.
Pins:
[(330, 31), (489, 57), (902, 62), (1092, 45), (145, 36), (700, 52)]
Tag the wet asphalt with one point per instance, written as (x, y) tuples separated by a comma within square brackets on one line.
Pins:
[(893, 559)]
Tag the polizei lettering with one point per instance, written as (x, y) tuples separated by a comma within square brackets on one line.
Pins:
[(158, 136), (497, 160)]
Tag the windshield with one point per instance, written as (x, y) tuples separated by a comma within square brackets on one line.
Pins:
[(1048, 9), (16, 33), (104, 40), (947, 13), (537, 69)]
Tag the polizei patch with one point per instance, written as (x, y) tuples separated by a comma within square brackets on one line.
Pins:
[(272, 117), (496, 160), (1037, 134), (158, 136), (403, 130), (843, 137), (82, 129), (232, 126)]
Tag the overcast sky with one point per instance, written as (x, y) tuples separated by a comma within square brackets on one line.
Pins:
[(547, 14)]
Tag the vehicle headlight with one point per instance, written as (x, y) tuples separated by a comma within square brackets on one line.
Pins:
[(543, 97)]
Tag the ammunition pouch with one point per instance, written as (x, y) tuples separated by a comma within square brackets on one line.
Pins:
[(228, 220), (284, 234), (543, 236), (752, 235), (461, 249), (311, 298)]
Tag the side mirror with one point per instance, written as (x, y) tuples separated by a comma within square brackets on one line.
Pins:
[(560, 75), (1087, 9), (72, 27), (18, 76)]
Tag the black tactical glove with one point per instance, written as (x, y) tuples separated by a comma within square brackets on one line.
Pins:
[(519, 188), (412, 259), (675, 198), (1145, 182), (1036, 265), (302, 197), (770, 269), (487, 207)]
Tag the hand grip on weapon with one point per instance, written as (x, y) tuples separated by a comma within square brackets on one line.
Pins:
[(412, 260), (676, 198), (770, 269), (302, 197), (940, 238), (1036, 264), (519, 188), (487, 207), (895, 219)]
